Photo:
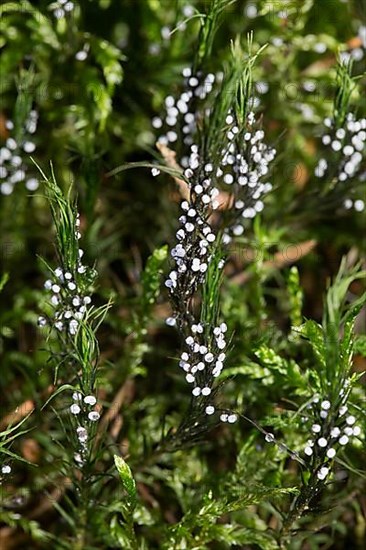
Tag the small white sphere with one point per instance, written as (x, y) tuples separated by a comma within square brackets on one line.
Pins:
[(75, 409), (90, 400), (331, 453)]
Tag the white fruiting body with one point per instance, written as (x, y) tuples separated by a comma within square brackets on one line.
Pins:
[(244, 166), (69, 302), (85, 417), (346, 148), (14, 165), (61, 8), (333, 429)]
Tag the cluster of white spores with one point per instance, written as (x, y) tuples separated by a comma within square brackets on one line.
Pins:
[(244, 165), (68, 301), (192, 253), (61, 8), (182, 113), (348, 146), (83, 408), (331, 430), (13, 157), (203, 362)]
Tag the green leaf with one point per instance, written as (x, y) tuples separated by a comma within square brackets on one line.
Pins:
[(209, 27), (8, 435), (127, 479), (286, 367), (345, 87), (313, 332), (210, 308), (296, 296), (360, 344), (151, 277), (59, 390), (64, 216), (6, 452), (4, 279), (161, 167), (120, 533), (108, 56)]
